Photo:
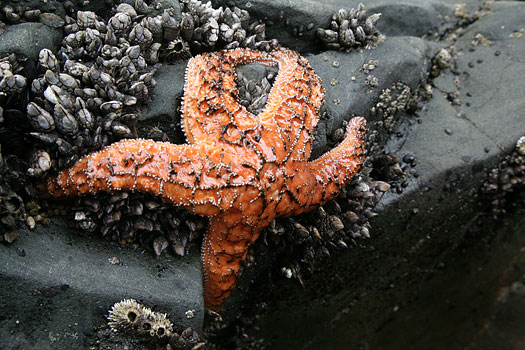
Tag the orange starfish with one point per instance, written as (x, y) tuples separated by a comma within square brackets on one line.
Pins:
[(240, 169)]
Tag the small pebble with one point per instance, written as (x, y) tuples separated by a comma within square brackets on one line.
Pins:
[(30, 221), (408, 158), (448, 131), (497, 53)]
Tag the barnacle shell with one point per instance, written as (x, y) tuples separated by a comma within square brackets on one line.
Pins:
[(129, 315), (40, 163), (351, 29), (9, 82), (47, 59), (40, 119)]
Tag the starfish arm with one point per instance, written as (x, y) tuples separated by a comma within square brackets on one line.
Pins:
[(224, 248), (323, 178), (210, 108), (186, 175)]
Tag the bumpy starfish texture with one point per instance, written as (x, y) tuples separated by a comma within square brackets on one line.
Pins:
[(241, 170)]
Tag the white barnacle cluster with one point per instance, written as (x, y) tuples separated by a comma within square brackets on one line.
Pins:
[(351, 29), (90, 94), (10, 82), (133, 318), (129, 315), (209, 29)]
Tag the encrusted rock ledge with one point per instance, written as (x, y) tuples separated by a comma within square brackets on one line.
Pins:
[(443, 266)]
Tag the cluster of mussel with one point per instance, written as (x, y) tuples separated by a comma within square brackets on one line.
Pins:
[(351, 29), (335, 225), (12, 175), (209, 29), (93, 90), (10, 82)]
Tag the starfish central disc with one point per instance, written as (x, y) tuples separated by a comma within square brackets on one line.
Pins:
[(240, 169)]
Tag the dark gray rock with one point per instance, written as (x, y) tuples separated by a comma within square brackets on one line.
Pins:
[(434, 272), (426, 278), (504, 331), (27, 39), (288, 18), (168, 91), (491, 83), (403, 59), (56, 285), (163, 113)]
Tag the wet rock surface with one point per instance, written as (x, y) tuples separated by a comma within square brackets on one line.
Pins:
[(438, 266), (443, 96), (294, 22), (57, 284), (27, 39), (354, 81)]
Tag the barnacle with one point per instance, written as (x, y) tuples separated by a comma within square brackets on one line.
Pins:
[(335, 225), (9, 82), (209, 29), (12, 207), (128, 314), (504, 186), (351, 29), (92, 94), (13, 185), (130, 317)]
